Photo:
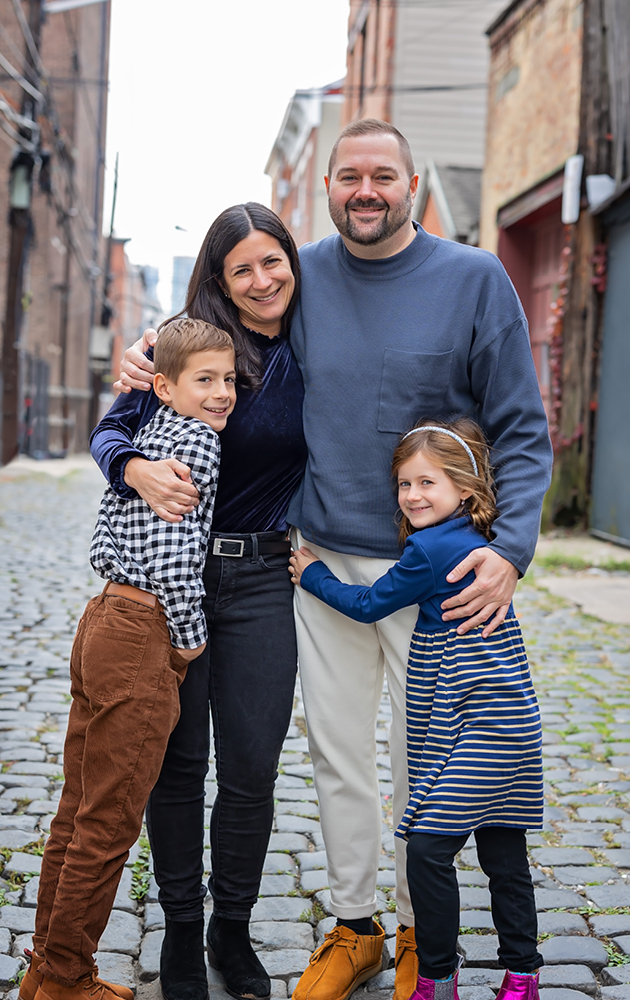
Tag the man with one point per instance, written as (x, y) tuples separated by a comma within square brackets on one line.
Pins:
[(393, 324)]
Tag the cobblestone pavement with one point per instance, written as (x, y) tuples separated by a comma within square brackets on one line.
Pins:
[(580, 863)]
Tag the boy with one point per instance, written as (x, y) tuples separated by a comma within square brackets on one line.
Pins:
[(130, 655)]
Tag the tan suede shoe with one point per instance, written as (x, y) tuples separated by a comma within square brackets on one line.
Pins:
[(32, 980), (340, 964), (86, 988), (406, 963)]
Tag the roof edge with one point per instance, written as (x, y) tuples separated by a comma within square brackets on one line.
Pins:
[(503, 16)]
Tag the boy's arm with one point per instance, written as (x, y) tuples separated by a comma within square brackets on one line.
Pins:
[(176, 551), (409, 581), (174, 561)]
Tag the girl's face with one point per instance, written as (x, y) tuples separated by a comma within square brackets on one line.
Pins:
[(426, 494), (258, 278)]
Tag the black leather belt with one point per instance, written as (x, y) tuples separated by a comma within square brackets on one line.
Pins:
[(234, 547)]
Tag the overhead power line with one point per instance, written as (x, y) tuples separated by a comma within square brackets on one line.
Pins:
[(28, 37), (24, 84)]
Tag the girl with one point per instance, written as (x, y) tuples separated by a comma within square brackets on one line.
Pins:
[(473, 725)]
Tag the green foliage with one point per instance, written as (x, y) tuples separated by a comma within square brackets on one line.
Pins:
[(559, 560), (140, 874), (615, 957)]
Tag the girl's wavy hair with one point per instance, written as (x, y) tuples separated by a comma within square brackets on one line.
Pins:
[(205, 298), (449, 455)]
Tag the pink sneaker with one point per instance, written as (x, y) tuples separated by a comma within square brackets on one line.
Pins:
[(516, 987), (429, 989)]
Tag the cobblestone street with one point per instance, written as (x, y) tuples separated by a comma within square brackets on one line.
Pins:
[(580, 863)]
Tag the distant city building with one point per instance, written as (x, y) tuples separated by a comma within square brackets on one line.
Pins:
[(182, 270), (299, 161), (152, 312)]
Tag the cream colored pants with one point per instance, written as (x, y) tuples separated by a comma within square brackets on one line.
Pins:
[(342, 663)]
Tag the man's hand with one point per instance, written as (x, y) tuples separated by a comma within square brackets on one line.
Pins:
[(300, 559), (490, 594), (166, 486), (136, 371)]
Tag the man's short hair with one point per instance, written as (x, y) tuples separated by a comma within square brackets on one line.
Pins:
[(373, 126), (182, 337)]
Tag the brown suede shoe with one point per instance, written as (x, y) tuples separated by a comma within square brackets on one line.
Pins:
[(340, 964), (33, 981), (406, 963)]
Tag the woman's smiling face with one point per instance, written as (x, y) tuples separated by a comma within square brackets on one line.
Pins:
[(258, 278)]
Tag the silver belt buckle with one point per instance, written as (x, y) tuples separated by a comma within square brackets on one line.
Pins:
[(233, 548)]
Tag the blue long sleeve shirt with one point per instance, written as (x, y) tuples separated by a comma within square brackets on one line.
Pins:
[(434, 331), (419, 577)]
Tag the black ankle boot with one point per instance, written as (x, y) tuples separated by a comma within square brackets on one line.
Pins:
[(230, 951), (183, 973)]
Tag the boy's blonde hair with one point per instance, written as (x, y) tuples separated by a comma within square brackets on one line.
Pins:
[(182, 337), (450, 456)]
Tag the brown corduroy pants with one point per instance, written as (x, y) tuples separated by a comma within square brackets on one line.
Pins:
[(125, 703)]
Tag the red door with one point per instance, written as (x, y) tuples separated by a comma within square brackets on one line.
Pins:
[(547, 237)]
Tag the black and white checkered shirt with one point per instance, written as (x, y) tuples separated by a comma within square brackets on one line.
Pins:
[(131, 544)]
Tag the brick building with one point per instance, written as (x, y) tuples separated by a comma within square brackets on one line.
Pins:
[(424, 68), (558, 143), (299, 160), (533, 128), (62, 279), (447, 203)]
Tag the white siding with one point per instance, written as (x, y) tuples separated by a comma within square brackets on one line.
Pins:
[(443, 42)]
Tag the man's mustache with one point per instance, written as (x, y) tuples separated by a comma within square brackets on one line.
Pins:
[(357, 203)]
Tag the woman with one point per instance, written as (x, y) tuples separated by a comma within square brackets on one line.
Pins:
[(245, 280)]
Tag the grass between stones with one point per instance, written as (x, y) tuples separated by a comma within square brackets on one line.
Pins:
[(140, 874)]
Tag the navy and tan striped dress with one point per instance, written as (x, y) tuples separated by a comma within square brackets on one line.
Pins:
[(473, 725)]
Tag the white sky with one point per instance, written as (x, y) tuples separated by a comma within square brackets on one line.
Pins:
[(198, 90)]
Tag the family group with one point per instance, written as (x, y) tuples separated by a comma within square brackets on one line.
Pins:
[(339, 455)]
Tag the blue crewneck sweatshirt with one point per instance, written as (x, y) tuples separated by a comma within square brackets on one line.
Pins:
[(434, 331)]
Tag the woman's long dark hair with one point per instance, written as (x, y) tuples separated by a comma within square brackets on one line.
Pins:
[(205, 298)]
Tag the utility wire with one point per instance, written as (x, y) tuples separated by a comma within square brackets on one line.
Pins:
[(81, 83), (24, 84), (352, 88), (28, 38), (14, 49)]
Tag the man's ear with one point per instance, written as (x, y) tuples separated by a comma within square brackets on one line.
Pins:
[(162, 388), (413, 187), (327, 182)]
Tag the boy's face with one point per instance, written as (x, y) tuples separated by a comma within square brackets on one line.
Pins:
[(206, 389)]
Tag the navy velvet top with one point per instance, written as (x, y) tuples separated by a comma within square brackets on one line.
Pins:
[(263, 452)]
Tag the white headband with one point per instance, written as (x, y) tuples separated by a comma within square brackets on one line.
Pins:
[(451, 434)]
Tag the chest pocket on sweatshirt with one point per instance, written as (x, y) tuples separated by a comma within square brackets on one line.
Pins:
[(412, 386)]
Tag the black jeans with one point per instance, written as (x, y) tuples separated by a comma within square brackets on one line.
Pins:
[(435, 898), (247, 675)]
